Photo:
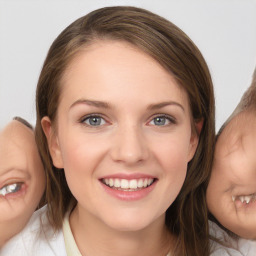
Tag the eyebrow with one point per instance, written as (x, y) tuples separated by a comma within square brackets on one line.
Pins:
[(102, 104), (164, 104), (94, 103)]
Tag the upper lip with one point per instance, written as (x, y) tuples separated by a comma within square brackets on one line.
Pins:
[(126, 176)]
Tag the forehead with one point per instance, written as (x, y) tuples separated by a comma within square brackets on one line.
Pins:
[(113, 66)]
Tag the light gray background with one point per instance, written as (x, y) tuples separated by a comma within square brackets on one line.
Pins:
[(224, 31)]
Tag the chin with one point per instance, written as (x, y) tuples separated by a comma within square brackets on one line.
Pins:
[(128, 226), (130, 222), (247, 234)]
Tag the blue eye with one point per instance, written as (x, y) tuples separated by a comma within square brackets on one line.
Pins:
[(161, 121), (94, 121)]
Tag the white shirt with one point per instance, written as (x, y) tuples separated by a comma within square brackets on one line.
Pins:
[(240, 247), (34, 240)]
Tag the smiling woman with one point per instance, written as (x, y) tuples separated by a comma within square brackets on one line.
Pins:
[(125, 127), (126, 143)]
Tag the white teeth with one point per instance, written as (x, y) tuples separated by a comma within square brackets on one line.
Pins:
[(140, 183), (150, 181), (247, 199), (244, 199), (124, 183), (133, 184), (128, 184), (111, 182), (241, 198), (117, 183)]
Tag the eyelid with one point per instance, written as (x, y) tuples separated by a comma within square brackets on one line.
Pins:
[(170, 118), (83, 119)]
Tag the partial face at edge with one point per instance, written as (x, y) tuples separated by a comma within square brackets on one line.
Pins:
[(231, 194), (124, 136), (19, 164)]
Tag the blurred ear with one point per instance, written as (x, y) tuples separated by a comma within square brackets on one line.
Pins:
[(199, 126), (53, 142), (194, 139)]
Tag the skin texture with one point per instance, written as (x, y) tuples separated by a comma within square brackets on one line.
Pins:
[(20, 163), (234, 174), (126, 142)]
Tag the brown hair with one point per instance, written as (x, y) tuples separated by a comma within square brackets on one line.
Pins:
[(167, 44)]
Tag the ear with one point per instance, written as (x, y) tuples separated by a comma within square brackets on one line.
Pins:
[(53, 142), (194, 139)]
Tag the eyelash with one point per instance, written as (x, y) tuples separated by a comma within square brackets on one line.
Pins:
[(170, 119), (11, 188), (83, 120)]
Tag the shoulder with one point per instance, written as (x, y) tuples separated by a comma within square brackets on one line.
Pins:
[(37, 238), (226, 245)]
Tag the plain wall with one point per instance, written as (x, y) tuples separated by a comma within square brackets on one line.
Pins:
[(224, 31)]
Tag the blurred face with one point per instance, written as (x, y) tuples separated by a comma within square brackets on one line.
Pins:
[(232, 189), (22, 178), (123, 136)]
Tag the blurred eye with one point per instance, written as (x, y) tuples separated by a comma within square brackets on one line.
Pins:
[(11, 188), (161, 121), (94, 121)]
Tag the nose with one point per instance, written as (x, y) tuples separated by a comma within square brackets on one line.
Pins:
[(129, 145)]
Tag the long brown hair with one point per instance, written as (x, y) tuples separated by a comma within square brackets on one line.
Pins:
[(171, 47)]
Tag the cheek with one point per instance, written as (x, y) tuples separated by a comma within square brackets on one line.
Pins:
[(18, 209), (212, 196), (80, 152), (172, 156), (242, 169), (37, 183), (218, 184), (172, 153), (81, 157), (218, 194), (20, 206)]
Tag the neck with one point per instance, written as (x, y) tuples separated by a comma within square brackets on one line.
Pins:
[(95, 238)]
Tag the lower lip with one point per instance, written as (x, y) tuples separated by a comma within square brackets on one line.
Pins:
[(129, 195), (244, 205)]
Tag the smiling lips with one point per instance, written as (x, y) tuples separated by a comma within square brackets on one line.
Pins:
[(128, 189), (128, 185)]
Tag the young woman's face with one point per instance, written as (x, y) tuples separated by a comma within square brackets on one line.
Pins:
[(123, 135), (231, 194), (22, 179)]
